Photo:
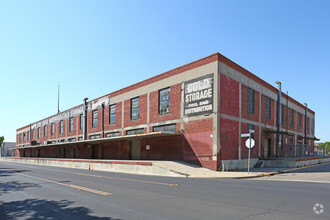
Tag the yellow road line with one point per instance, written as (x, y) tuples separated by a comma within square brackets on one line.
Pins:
[(69, 185), (109, 177)]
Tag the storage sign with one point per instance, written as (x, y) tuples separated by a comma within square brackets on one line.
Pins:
[(198, 96)]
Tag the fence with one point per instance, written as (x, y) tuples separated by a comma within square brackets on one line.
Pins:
[(297, 150)]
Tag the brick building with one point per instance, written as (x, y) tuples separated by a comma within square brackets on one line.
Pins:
[(195, 113)]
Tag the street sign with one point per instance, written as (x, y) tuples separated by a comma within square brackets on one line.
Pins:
[(249, 143), (245, 135)]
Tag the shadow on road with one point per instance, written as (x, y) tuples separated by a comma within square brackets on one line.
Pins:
[(10, 171), (14, 186), (45, 209)]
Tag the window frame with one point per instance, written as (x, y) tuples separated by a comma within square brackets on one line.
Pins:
[(167, 100), (71, 124), (250, 100), (136, 99), (61, 126), (52, 129), (45, 130), (111, 114), (39, 132), (268, 107), (95, 118), (81, 121), (291, 119)]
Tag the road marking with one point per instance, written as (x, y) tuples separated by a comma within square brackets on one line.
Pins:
[(294, 180), (108, 177), (69, 185)]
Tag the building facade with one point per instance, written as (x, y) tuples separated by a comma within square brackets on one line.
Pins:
[(194, 113)]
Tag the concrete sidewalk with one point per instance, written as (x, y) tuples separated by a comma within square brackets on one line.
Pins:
[(159, 168)]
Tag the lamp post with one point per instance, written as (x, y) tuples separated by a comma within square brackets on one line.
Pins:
[(279, 120), (306, 124)]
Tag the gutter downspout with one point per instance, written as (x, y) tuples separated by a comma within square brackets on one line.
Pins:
[(102, 120), (85, 118)]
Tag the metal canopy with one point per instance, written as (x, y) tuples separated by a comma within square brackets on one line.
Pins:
[(267, 131), (108, 139)]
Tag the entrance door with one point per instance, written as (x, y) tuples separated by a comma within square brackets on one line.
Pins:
[(134, 150), (267, 148)]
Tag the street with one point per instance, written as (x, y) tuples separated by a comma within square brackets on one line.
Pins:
[(44, 192)]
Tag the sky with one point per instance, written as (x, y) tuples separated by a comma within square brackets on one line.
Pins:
[(91, 48)]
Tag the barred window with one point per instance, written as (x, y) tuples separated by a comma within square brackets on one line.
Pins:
[(113, 114), (291, 117), (71, 124), (53, 129), (95, 118), (45, 130), (250, 100), (135, 131), (164, 101), (81, 119), (300, 120), (61, 127), (170, 127), (268, 108), (135, 108)]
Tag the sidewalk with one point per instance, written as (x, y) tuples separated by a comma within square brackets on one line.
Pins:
[(158, 168)]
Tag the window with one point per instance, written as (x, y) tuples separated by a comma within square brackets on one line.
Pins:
[(39, 132), (268, 108), (24, 136), (135, 131), (171, 127), (61, 127), (250, 99), (250, 127), (45, 130), (113, 134), (93, 137), (29, 135), (135, 110), (71, 124), (164, 101), (81, 119), (307, 124), (53, 129), (95, 118), (112, 114), (299, 120), (282, 118), (34, 134), (20, 138), (291, 117)]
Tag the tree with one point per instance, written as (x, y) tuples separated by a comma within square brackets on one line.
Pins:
[(326, 145), (2, 138)]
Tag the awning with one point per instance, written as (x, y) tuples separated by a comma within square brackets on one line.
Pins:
[(107, 139), (267, 131)]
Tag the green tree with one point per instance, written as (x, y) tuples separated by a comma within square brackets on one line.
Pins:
[(2, 138), (326, 145)]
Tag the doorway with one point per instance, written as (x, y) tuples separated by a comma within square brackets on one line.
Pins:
[(267, 148), (134, 150)]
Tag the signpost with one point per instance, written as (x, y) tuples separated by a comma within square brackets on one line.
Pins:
[(249, 143)]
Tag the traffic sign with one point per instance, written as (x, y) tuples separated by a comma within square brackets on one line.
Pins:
[(249, 143)]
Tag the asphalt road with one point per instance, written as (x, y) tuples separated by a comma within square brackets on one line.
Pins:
[(43, 192)]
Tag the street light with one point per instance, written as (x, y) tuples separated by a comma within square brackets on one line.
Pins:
[(279, 121)]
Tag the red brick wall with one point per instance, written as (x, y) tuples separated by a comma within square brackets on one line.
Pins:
[(229, 139), (245, 114), (107, 125), (229, 96)]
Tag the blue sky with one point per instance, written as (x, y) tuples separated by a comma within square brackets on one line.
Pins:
[(92, 48)]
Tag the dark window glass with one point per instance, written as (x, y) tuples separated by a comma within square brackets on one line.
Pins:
[(53, 129), (250, 99), (20, 138), (250, 127), (135, 108), (164, 101), (61, 127), (34, 134), (81, 119), (113, 134), (45, 130), (24, 136), (135, 131), (92, 137), (113, 114), (268, 108), (282, 107), (299, 120), (291, 117), (95, 118), (39, 132), (71, 124), (171, 127)]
